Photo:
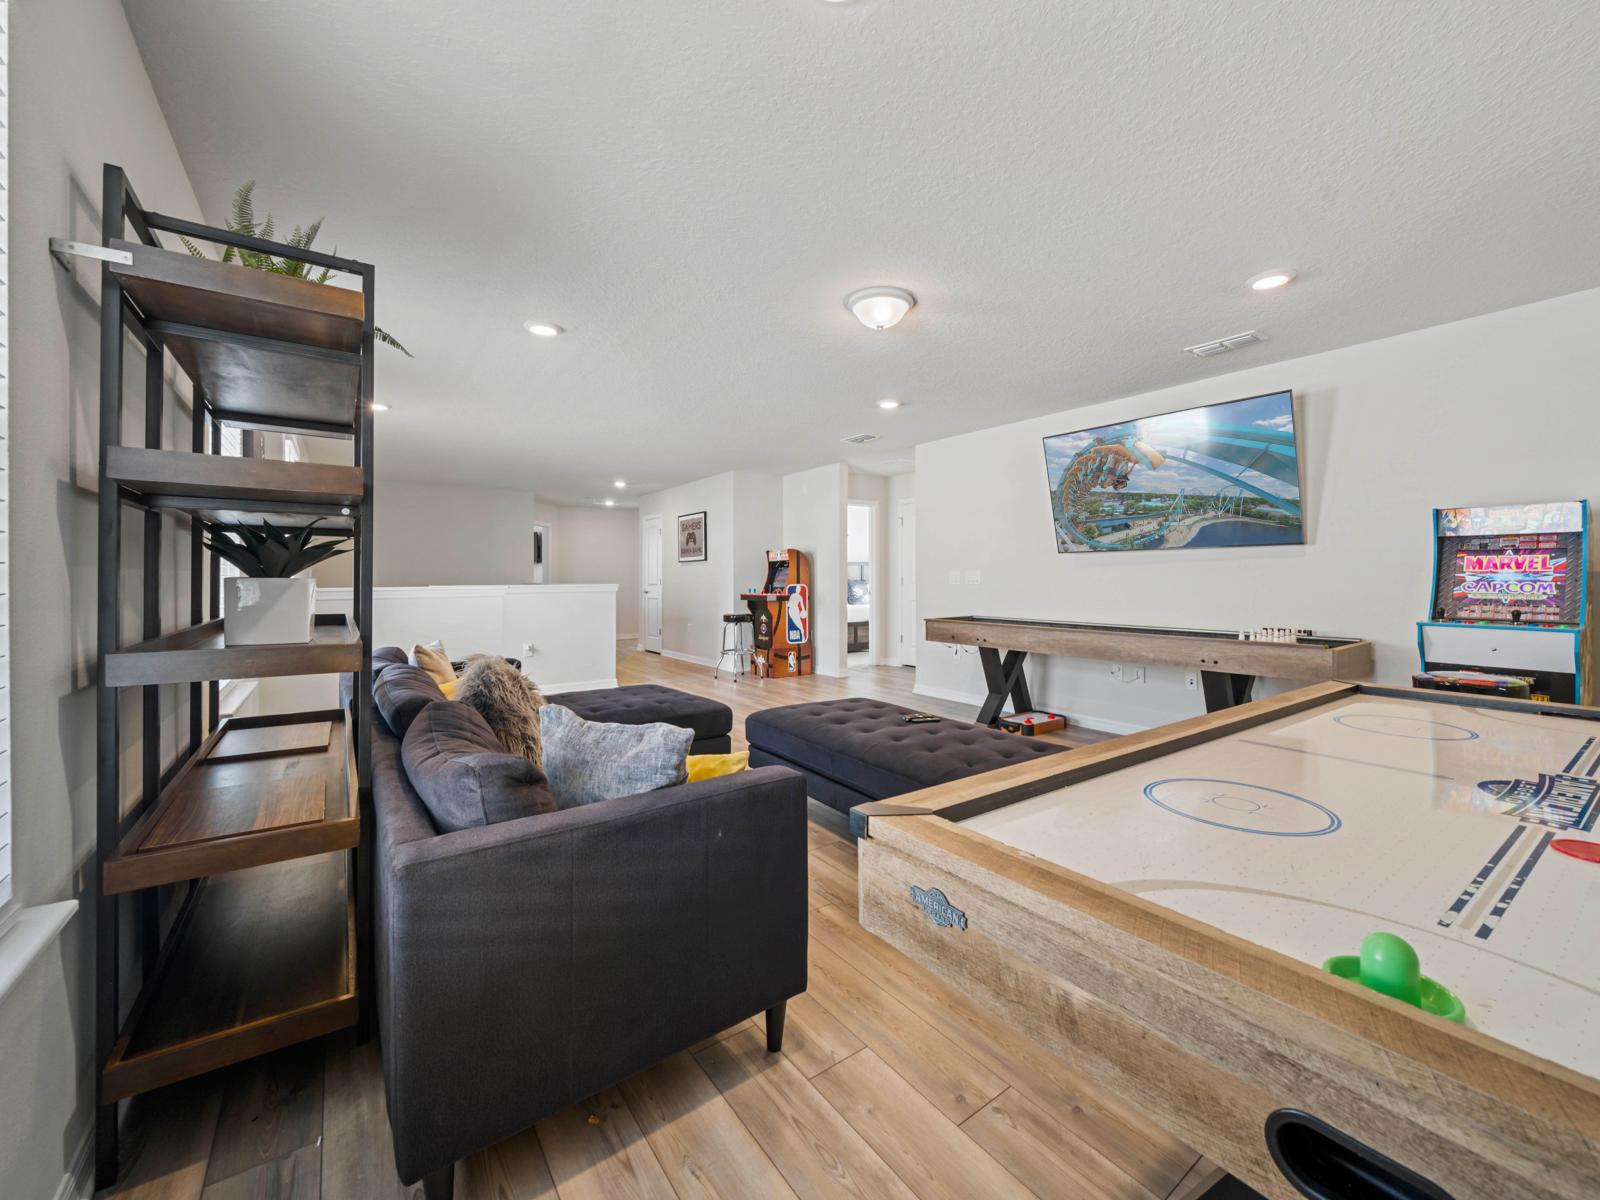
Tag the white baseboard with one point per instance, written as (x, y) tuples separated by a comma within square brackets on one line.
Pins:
[(581, 685), (975, 699), (78, 1182), (680, 656)]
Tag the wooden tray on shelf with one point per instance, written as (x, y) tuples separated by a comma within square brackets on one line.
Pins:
[(198, 653), (286, 790), (258, 960)]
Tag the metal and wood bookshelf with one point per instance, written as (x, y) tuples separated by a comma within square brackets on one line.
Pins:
[(259, 832)]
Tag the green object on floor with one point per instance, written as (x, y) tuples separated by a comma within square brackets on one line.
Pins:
[(1389, 965)]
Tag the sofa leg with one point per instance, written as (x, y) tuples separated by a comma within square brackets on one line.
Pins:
[(775, 1026), (440, 1184)]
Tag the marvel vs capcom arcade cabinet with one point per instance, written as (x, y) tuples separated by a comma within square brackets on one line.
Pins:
[(782, 613), (1510, 599)]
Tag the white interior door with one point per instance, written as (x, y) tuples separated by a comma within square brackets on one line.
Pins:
[(650, 573), (905, 542)]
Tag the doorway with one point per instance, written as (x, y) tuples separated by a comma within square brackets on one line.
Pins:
[(650, 577), (541, 552), (860, 574), (908, 634)]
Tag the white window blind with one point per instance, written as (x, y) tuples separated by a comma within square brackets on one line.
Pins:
[(5, 454)]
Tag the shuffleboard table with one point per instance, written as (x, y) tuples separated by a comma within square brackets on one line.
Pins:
[(1156, 909), (1228, 666)]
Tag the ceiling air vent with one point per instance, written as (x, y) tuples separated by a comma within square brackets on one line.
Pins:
[(1222, 345), (860, 439)]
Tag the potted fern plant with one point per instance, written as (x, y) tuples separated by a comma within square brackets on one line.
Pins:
[(270, 602)]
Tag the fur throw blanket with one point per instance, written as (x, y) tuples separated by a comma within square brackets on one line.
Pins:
[(507, 700)]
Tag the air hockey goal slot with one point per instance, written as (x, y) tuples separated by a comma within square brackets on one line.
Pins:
[(1324, 1163)]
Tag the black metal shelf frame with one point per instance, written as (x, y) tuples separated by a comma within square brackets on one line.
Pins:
[(121, 212)]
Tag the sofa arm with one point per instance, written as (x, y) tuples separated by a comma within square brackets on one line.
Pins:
[(527, 964)]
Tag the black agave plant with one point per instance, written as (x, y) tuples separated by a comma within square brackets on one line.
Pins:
[(266, 552)]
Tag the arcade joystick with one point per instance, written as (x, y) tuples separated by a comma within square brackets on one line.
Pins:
[(1389, 965)]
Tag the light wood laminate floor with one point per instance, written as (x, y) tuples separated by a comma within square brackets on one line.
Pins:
[(891, 1084)]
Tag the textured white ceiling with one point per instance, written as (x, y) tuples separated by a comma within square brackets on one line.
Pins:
[(1074, 191)]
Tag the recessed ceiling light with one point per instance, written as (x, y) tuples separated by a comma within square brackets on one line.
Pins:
[(377, 407), (609, 502), (619, 483), (1268, 280), (542, 328), (880, 307), (888, 404)]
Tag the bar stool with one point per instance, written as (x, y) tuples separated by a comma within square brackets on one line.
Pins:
[(737, 643)]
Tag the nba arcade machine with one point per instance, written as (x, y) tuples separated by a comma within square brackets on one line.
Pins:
[(782, 613), (1510, 610)]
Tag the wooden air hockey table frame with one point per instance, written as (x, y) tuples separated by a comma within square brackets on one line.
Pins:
[(1211, 1034), (1228, 666)]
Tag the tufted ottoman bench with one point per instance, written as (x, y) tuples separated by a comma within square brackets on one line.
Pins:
[(855, 750), (643, 703)]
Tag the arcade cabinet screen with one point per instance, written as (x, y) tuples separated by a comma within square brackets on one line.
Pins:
[(1222, 475), (1510, 564)]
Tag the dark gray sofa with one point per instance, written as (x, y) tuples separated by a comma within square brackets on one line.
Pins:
[(524, 965)]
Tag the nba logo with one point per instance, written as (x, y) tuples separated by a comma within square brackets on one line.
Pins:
[(798, 611)]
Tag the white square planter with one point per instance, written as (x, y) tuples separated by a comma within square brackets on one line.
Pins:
[(268, 611)]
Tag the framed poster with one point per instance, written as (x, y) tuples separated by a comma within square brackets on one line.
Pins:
[(692, 537)]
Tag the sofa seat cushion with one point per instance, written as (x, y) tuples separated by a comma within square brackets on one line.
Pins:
[(863, 745), (590, 761), (462, 775), (647, 703), (402, 691)]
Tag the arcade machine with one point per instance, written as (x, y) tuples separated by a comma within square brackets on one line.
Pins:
[(1510, 604), (782, 614)]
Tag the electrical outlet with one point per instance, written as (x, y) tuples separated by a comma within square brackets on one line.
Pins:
[(527, 650), (1192, 681), (955, 578), (973, 577), (1116, 672)]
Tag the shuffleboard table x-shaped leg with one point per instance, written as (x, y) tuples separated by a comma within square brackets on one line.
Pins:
[(1003, 677)]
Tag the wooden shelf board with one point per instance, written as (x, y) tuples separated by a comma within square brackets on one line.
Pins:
[(259, 385), (173, 286), (222, 814), (260, 959), (194, 481), (198, 653)]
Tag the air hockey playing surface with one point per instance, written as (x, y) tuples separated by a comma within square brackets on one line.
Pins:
[(1468, 831)]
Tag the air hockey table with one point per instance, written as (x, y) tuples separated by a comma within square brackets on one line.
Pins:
[(1156, 910)]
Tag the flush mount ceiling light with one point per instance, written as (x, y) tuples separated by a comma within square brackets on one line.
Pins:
[(543, 329), (1270, 280), (888, 404), (880, 307)]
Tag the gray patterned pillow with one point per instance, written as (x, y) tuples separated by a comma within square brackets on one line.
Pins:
[(588, 761)]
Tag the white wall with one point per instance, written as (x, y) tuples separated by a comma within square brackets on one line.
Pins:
[(694, 595), (901, 487), (757, 528), (814, 523), (1497, 409), (599, 545), (79, 98)]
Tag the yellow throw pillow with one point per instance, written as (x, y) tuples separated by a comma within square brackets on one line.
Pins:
[(432, 659), (709, 766), (449, 688)]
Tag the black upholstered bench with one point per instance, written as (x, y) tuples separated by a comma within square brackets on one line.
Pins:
[(643, 703), (855, 750)]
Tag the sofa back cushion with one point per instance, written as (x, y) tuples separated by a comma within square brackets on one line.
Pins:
[(588, 761), (388, 656), (462, 775), (400, 693)]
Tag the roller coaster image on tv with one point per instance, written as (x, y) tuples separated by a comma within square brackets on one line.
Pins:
[(1222, 475)]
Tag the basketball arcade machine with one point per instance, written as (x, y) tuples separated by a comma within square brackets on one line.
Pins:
[(1510, 597), (782, 614)]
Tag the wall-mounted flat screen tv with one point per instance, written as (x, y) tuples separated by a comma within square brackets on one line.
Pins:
[(1223, 475)]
